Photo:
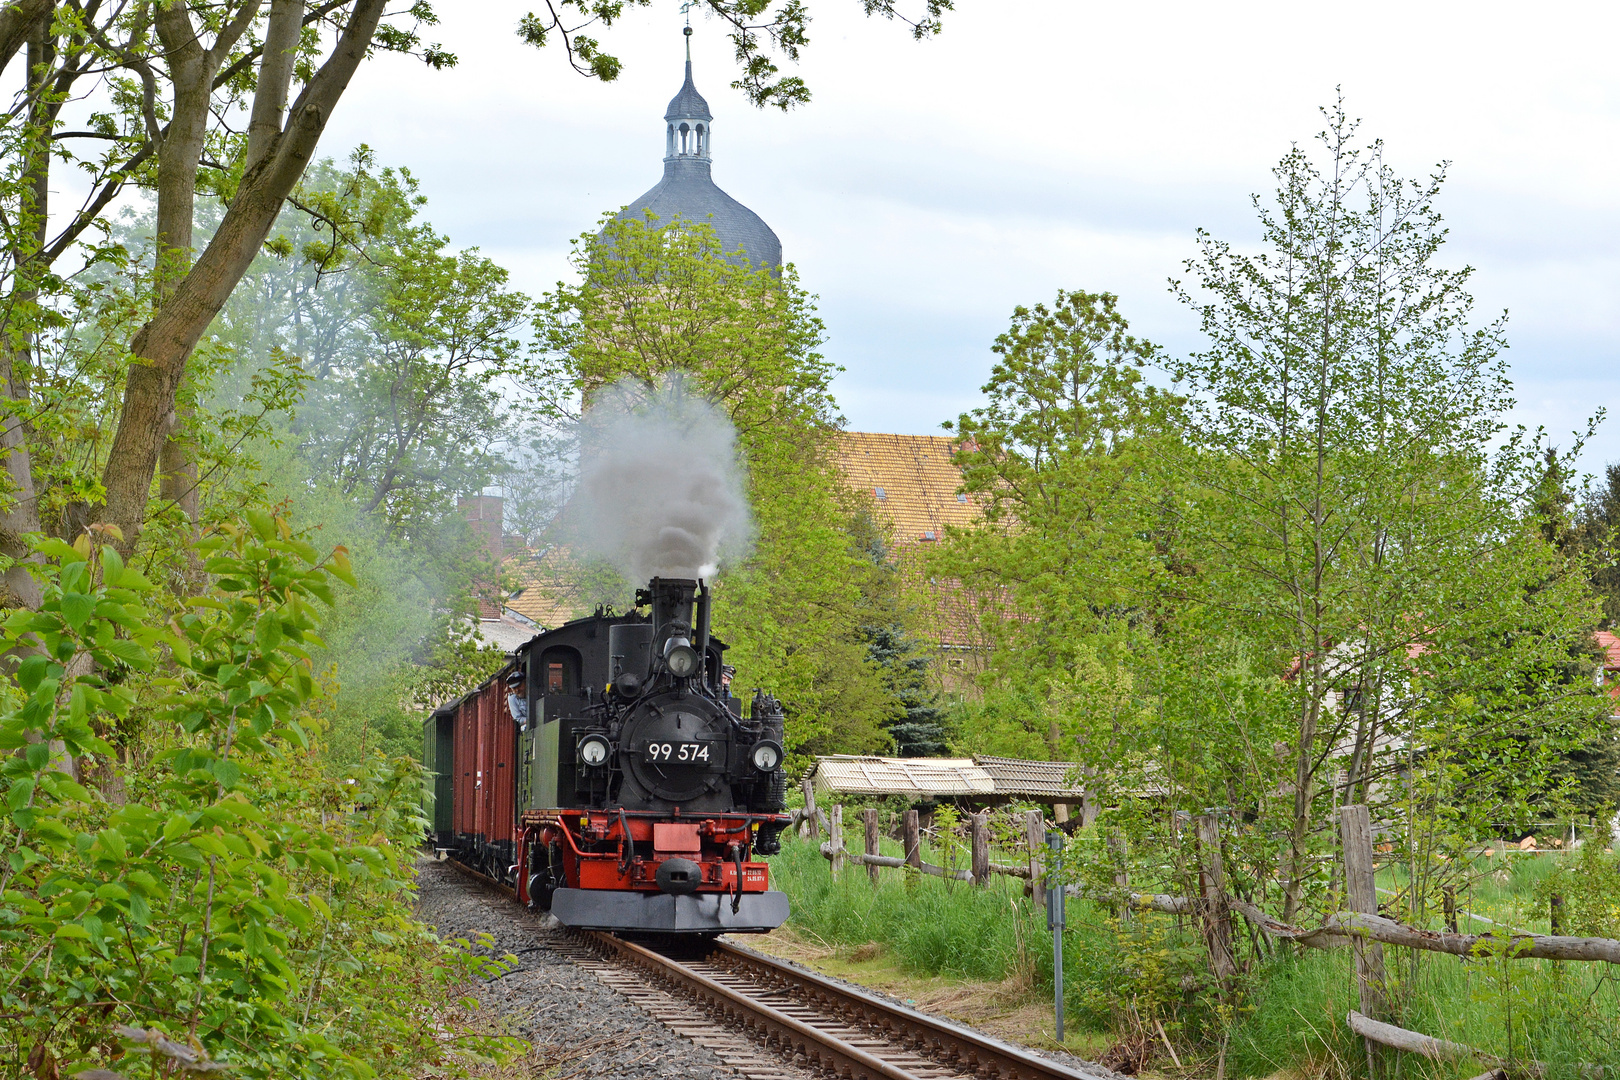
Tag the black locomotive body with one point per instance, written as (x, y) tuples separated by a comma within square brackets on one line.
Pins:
[(607, 775)]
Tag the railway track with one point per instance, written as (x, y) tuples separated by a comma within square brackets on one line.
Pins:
[(770, 1020)]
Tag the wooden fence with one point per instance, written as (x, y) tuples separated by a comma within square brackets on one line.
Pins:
[(1359, 927)]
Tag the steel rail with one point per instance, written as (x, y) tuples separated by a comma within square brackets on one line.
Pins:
[(927, 1035), (931, 1037), (819, 1047)]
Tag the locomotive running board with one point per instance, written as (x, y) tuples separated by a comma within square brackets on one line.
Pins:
[(663, 913)]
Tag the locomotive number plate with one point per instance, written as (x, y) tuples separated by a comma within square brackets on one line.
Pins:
[(690, 753)]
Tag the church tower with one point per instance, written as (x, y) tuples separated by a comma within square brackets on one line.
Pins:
[(688, 190)]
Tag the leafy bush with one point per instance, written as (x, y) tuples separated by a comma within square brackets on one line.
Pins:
[(220, 897)]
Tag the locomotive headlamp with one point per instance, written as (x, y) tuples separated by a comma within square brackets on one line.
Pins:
[(594, 750), (681, 658), (766, 756)]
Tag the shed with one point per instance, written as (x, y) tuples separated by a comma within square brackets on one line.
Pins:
[(949, 778), (1032, 781), (982, 779)]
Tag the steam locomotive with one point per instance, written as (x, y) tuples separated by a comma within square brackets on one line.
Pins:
[(606, 774)]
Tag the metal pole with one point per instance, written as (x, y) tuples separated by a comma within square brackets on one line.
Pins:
[(1054, 920)]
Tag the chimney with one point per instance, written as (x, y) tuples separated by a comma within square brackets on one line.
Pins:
[(484, 515)]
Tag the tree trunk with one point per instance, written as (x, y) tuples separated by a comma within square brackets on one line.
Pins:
[(21, 513), (1299, 832), (163, 345)]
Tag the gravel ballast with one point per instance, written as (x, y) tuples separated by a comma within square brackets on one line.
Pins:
[(563, 1009), (550, 1001)]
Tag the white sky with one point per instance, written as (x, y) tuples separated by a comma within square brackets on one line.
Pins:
[(1041, 144)]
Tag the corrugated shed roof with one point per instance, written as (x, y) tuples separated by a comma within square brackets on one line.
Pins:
[(1032, 779), (849, 775), (909, 480)]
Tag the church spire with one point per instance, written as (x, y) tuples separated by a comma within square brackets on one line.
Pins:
[(687, 120)]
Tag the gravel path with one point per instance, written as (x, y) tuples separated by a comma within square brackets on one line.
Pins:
[(550, 1001)]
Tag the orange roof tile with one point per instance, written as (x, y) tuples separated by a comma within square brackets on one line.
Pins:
[(910, 479), (548, 589), (1610, 644)]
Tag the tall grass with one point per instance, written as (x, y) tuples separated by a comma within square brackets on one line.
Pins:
[(933, 927), (1292, 1009)]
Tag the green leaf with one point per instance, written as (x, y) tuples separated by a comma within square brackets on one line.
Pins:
[(37, 755), (21, 791), (75, 791), (112, 842), (77, 609), (176, 827), (59, 550), (263, 524), (112, 565), (130, 652), (31, 671), (72, 932)]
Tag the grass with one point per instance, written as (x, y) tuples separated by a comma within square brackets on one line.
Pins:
[(932, 926), (1124, 979)]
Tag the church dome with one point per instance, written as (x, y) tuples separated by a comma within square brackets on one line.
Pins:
[(688, 191), (688, 104)]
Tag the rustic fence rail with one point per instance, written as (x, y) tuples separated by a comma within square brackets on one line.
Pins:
[(1359, 927)]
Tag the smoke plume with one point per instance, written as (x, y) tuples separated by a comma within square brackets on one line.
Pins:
[(660, 488)]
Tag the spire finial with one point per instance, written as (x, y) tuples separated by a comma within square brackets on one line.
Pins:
[(686, 9)]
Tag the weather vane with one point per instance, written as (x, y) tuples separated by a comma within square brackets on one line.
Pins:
[(686, 9)]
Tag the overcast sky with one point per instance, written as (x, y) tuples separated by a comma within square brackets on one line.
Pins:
[(1035, 145)]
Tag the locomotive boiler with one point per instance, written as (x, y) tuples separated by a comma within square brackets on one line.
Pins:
[(608, 775)]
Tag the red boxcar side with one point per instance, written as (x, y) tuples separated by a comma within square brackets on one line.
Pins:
[(467, 766), (503, 793)]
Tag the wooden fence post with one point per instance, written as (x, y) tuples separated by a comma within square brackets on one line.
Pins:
[(1361, 891), (1212, 883), (1035, 837), (980, 834), (1555, 913), (809, 827), (870, 819), (1448, 901), (911, 838), (836, 827)]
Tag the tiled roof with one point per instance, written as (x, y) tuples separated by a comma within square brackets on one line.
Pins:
[(548, 590), (910, 481), (1610, 644), (1031, 779), (846, 775)]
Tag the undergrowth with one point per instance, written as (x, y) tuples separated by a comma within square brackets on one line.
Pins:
[(1133, 976)]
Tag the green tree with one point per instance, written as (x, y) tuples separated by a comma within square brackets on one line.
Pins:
[(402, 346), (1598, 535), (890, 628), (405, 345), (1062, 458), (240, 901), (1350, 517), (653, 298)]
